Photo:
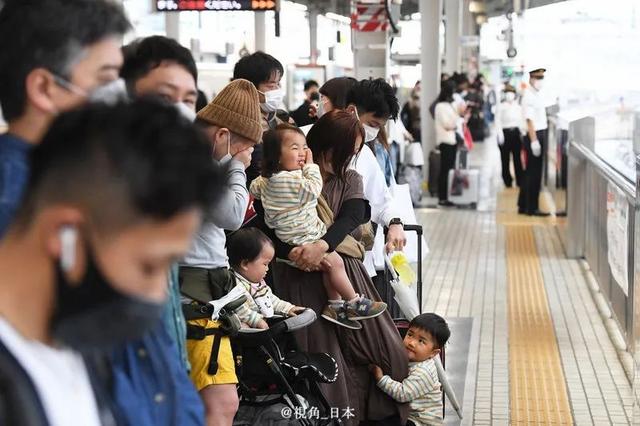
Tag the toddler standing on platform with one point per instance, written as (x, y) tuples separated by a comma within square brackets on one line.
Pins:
[(426, 336)]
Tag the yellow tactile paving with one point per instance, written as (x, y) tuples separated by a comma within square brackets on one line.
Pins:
[(537, 383), (507, 210)]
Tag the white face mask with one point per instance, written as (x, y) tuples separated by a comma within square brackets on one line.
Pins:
[(320, 111), (370, 133), (227, 157), (510, 96), (272, 100), (185, 111), (537, 84), (110, 93)]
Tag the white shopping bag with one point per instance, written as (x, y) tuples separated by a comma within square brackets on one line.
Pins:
[(402, 202)]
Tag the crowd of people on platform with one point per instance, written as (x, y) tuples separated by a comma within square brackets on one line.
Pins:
[(463, 114), (118, 231)]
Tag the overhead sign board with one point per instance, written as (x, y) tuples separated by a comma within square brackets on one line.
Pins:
[(216, 5)]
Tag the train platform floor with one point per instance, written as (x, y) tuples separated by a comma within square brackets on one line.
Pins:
[(538, 350)]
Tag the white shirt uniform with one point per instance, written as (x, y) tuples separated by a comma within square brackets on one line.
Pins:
[(510, 115), (378, 195), (533, 108), (60, 378)]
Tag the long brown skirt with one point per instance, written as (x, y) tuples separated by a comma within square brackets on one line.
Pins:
[(377, 343)]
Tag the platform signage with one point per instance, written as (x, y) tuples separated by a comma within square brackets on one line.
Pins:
[(618, 236), (216, 5)]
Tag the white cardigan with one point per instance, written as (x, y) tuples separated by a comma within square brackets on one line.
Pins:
[(446, 119)]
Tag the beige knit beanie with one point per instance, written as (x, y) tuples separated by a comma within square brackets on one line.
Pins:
[(236, 108)]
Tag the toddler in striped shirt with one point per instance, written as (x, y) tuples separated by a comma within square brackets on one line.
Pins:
[(426, 336), (289, 188)]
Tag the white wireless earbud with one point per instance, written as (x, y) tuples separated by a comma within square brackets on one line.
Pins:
[(68, 239)]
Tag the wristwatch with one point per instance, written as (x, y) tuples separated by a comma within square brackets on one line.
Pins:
[(395, 221)]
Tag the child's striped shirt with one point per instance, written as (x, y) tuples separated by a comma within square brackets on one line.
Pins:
[(421, 389)]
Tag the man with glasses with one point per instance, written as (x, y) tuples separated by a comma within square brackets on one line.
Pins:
[(56, 55)]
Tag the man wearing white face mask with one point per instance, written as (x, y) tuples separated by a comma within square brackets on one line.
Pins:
[(509, 121), (265, 72), (61, 66), (232, 124), (535, 142), (159, 67), (374, 102)]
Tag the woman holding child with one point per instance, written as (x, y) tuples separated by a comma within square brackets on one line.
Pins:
[(334, 140)]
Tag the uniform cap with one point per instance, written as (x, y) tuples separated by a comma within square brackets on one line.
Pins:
[(537, 73), (236, 108)]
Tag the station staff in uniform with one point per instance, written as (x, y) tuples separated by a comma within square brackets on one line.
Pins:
[(535, 142), (509, 122)]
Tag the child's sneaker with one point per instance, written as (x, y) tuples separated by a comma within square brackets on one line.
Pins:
[(363, 308), (338, 315)]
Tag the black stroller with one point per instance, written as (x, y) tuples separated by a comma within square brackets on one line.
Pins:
[(278, 383)]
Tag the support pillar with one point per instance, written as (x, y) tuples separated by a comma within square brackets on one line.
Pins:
[(453, 31), (469, 28), (313, 35), (172, 25), (431, 16), (260, 31)]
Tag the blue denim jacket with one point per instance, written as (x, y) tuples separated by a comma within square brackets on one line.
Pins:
[(151, 386), (384, 160), (14, 174), (150, 381)]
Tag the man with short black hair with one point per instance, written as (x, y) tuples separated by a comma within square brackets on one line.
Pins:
[(84, 269), (265, 72), (374, 103), (159, 67), (56, 55), (311, 94)]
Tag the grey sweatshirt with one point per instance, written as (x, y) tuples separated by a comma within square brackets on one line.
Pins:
[(208, 247)]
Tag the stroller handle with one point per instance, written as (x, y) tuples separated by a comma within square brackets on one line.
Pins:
[(302, 320)]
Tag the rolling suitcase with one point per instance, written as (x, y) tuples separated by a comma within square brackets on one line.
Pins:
[(412, 175), (463, 185), (402, 324), (434, 172)]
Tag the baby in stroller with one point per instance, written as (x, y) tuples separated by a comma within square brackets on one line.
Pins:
[(250, 251), (274, 375)]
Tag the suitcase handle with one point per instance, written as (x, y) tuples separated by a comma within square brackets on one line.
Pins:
[(418, 230)]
